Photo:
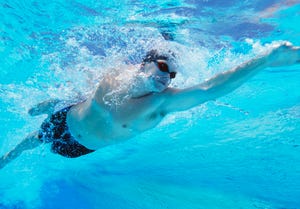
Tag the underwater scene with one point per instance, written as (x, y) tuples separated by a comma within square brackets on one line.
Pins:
[(241, 150)]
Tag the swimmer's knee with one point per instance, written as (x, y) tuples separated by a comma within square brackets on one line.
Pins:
[(31, 141), (35, 139)]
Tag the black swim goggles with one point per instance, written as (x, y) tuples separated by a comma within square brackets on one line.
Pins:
[(163, 67)]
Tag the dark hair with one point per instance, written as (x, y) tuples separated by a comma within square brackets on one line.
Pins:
[(153, 55)]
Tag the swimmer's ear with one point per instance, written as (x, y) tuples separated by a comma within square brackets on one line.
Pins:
[(46, 107)]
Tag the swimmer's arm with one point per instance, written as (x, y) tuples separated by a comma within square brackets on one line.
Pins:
[(226, 82), (46, 107)]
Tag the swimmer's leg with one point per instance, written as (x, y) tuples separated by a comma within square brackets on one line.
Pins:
[(28, 143), (46, 107)]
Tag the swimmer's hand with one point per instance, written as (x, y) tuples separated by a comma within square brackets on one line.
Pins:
[(46, 107), (284, 55)]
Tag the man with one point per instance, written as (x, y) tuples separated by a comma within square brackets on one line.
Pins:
[(118, 112)]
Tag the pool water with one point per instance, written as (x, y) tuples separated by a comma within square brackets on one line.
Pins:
[(240, 151)]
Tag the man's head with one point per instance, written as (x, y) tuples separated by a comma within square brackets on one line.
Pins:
[(159, 68)]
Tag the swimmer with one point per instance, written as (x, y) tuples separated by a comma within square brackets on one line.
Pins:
[(85, 127)]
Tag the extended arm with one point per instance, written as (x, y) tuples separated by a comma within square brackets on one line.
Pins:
[(223, 83)]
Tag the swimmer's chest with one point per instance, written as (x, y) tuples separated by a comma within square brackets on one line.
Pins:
[(140, 115), (99, 127)]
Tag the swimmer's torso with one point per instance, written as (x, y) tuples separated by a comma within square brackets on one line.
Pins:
[(95, 124)]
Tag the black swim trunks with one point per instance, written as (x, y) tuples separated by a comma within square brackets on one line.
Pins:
[(56, 131)]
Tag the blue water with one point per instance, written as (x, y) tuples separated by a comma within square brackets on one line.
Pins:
[(240, 151)]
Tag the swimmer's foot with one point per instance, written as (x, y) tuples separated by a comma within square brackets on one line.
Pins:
[(3, 161)]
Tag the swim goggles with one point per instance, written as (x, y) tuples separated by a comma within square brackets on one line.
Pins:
[(163, 67)]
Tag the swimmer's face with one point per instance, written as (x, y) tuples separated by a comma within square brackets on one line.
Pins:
[(160, 73)]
